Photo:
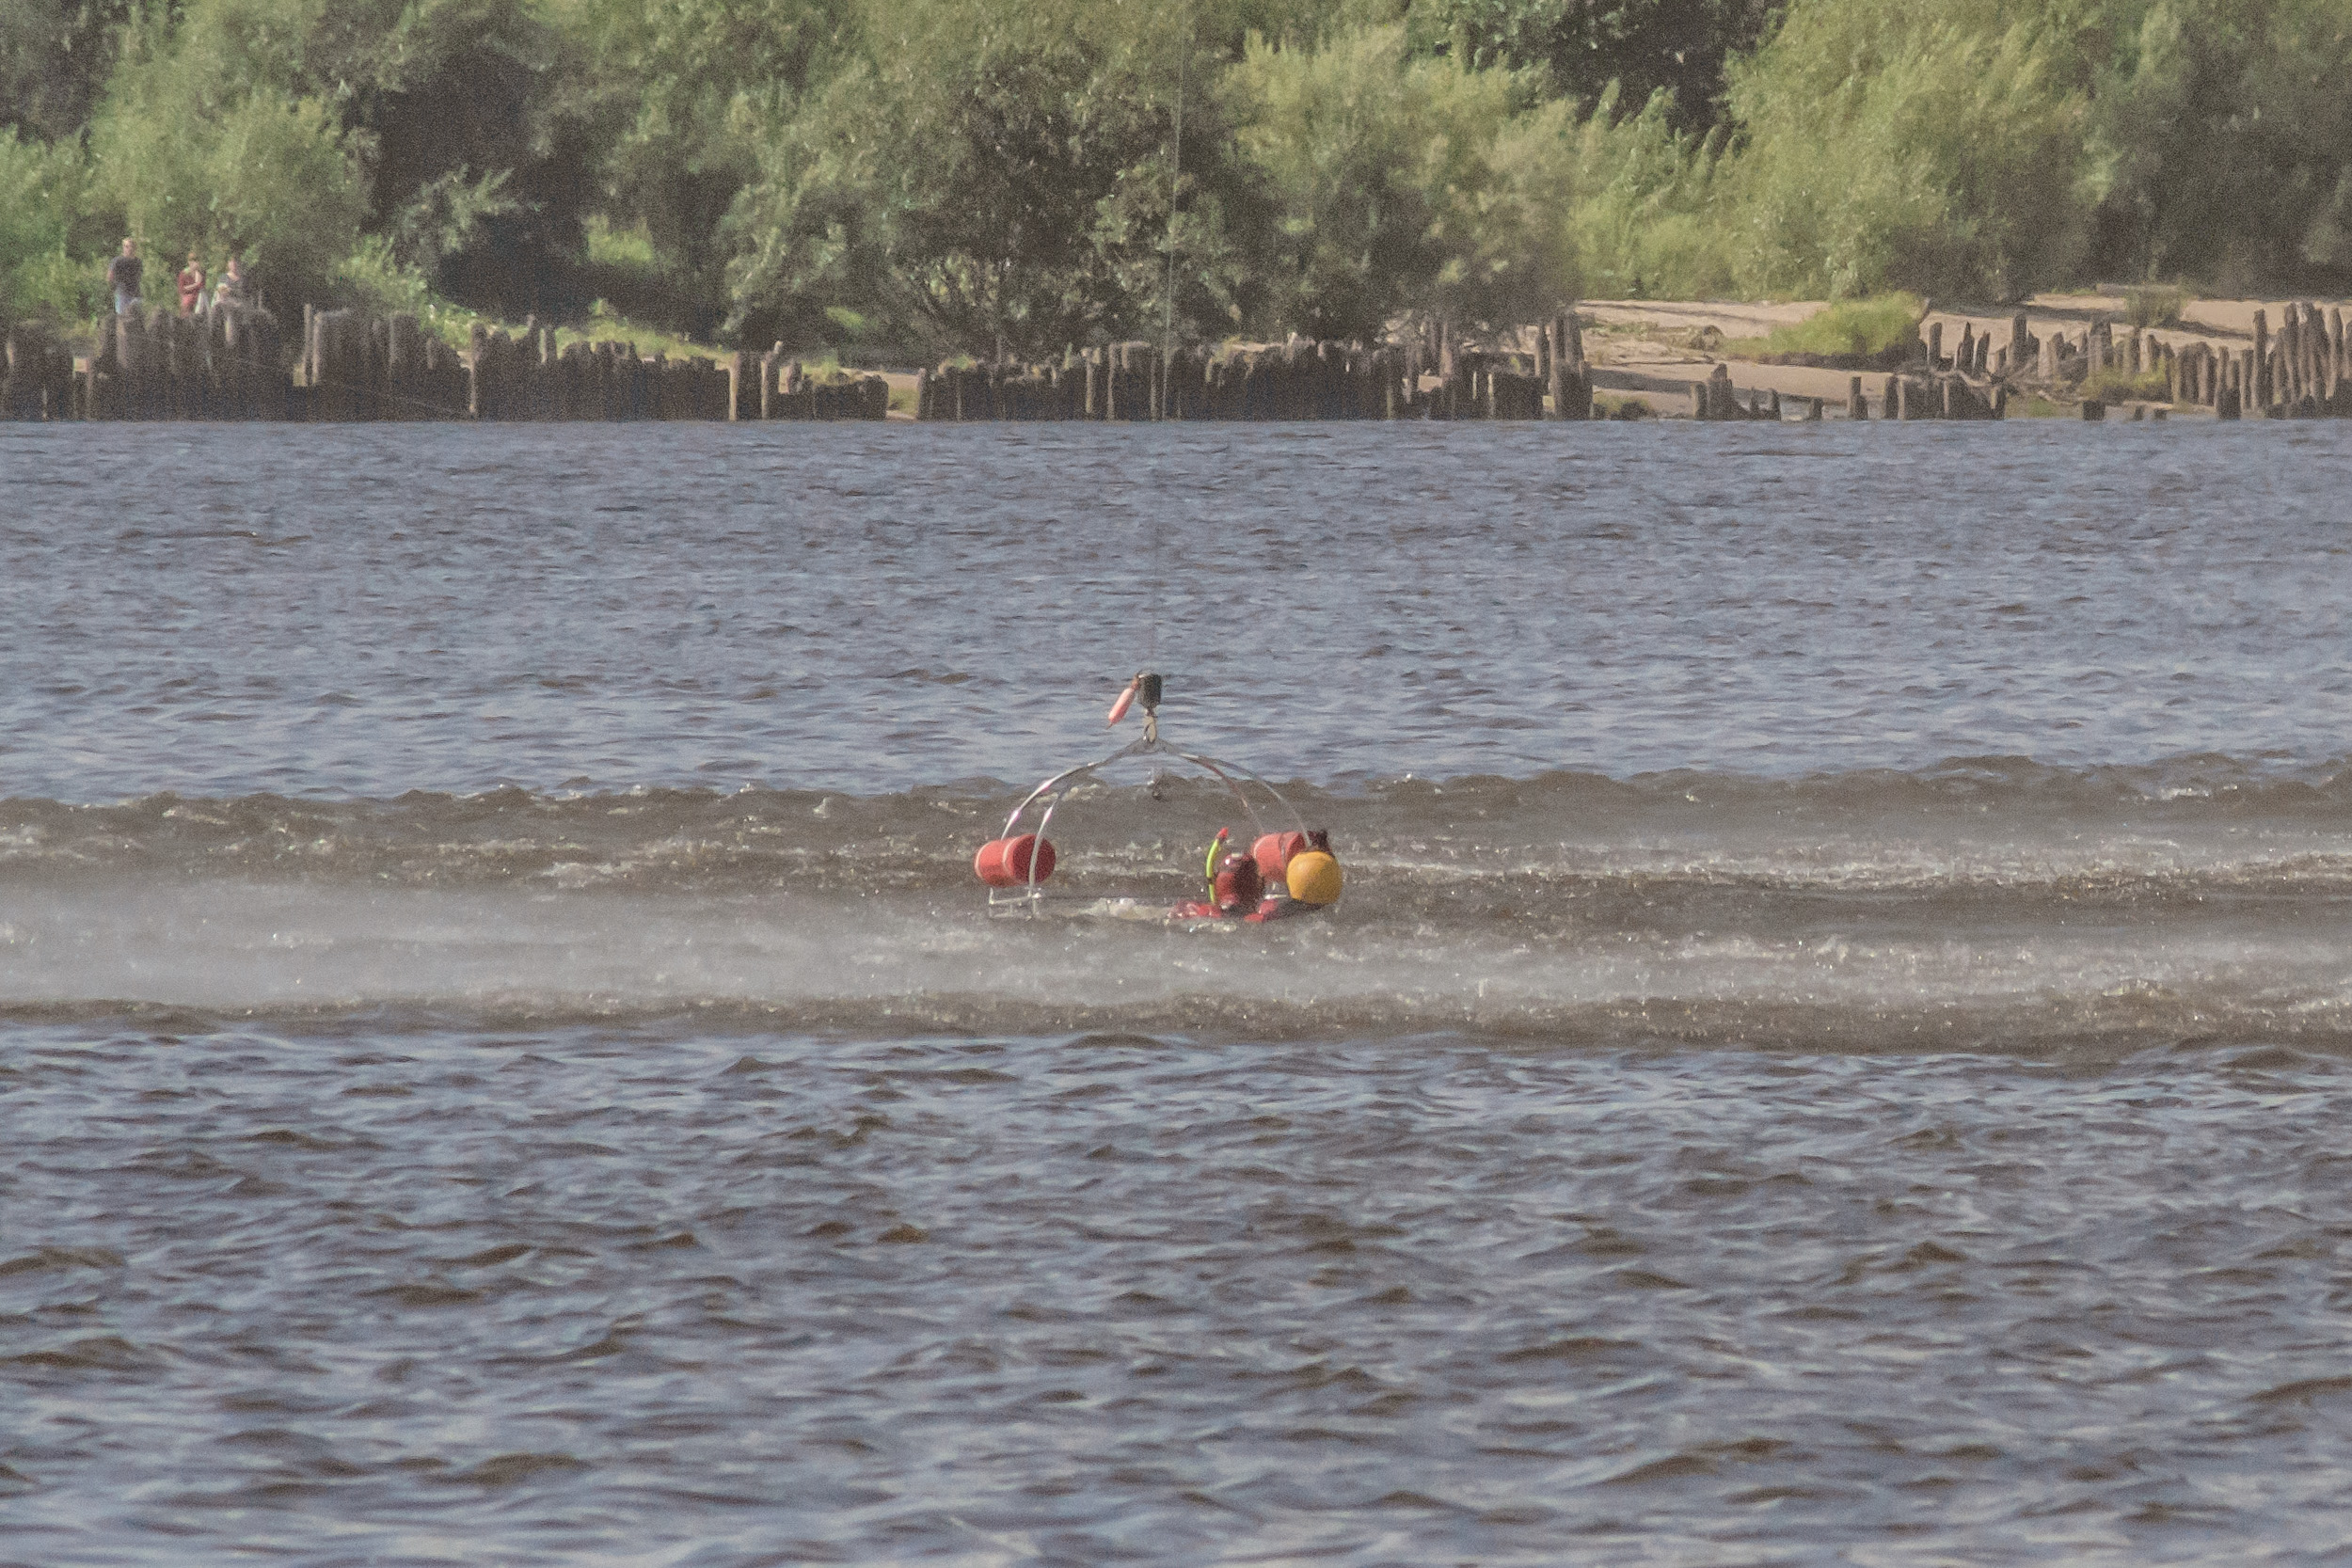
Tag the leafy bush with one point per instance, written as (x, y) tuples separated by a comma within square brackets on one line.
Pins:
[(996, 179), (2113, 387), (40, 195), (1404, 186), (1644, 47), (1644, 202), (203, 144), (2154, 305), (1892, 145), (1865, 327)]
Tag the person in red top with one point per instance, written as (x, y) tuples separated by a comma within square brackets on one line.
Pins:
[(191, 286)]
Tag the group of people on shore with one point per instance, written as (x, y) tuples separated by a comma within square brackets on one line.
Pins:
[(123, 275)]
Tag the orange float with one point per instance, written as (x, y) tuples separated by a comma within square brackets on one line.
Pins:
[(1274, 851), (1006, 861)]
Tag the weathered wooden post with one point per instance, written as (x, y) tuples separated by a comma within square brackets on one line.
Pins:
[(1554, 337), (25, 389), (132, 362), (1935, 347), (175, 336), (2258, 384), (374, 352), (1857, 405), (478, 373), (404, 352)]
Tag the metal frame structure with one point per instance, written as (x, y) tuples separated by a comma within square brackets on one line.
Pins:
[(1057, 788)]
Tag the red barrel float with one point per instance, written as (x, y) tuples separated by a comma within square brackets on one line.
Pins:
[(1273, 852), (1005, 861)]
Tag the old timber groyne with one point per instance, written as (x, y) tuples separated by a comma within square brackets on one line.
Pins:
[(232, 363)]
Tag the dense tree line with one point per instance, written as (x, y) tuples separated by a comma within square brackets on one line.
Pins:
[(1011, 175)]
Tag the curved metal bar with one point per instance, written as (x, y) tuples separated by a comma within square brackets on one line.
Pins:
[(1257, 827), (1132, 748), (1055, 790), (1216, 766)]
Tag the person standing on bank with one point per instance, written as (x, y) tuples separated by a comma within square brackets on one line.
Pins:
[(122, 276), (192, 286), (231, 290)]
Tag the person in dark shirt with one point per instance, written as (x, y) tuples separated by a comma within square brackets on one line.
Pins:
[(123, 276), (234, 289)]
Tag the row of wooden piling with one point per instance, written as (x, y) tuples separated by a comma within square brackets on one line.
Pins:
[(1302, 379), (228, 364), (224, 364), (2303, 371)]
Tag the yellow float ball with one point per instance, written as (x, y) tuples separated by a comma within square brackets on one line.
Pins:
[(1314, 877)]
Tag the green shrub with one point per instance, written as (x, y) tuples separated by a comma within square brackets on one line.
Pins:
[(1895, 145), (1643, 203), (2113, 387), (2154, 305), (203, 143), (1858, 327), (41, 192), (1402, 184)]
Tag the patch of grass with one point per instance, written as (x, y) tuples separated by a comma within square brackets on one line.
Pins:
[(2042, 408), (1858, 327), (604, 323), (2154, 305), (2114, 387), (902, 399), (625, 250), (1605, 407)]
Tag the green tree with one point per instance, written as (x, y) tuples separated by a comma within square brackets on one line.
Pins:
[(2222, 136), (204, 139), (1402, 186), (42, 238), (54, 58), (682, 93), (1891, 146), (1676, 47), (478, 150), (994, 175)]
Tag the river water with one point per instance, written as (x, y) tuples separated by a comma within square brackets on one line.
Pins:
[(1834, 1048)]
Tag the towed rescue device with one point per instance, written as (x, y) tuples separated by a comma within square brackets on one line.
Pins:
[(1285, 872)]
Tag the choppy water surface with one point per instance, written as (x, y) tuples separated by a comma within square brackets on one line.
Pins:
[(1834, 1048)]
